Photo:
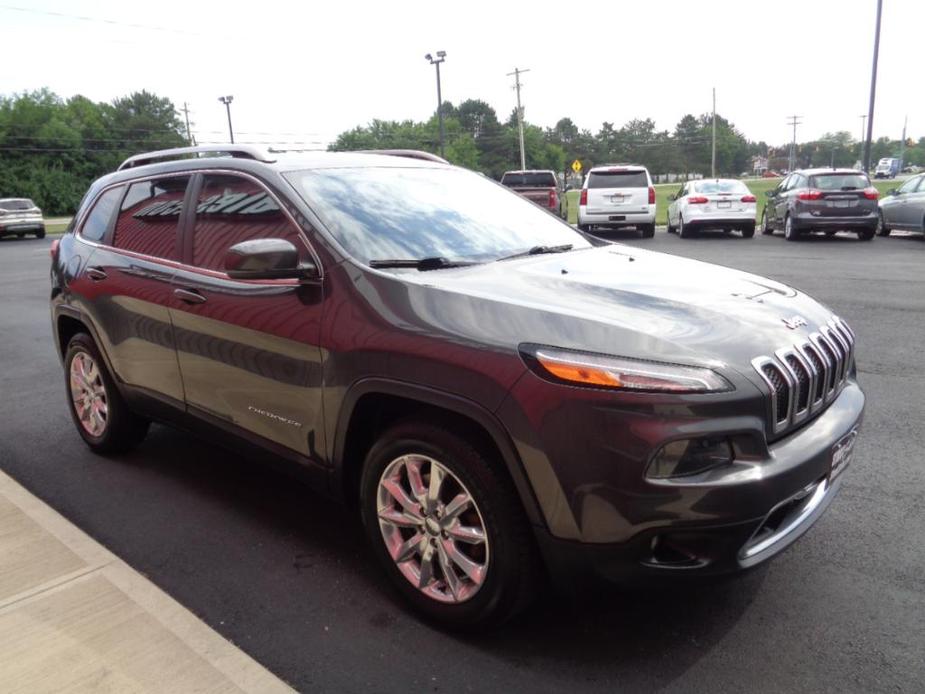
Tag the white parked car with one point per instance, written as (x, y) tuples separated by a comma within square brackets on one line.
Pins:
[(717, 203), (618, 196), (20, 216)]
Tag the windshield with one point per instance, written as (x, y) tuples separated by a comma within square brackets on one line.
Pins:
[(618, 179), (379, 213), (711, 187), (537, 179), (840, 181), (16, 204)]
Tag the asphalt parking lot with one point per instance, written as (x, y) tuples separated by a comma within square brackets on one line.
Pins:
[(285, 575)]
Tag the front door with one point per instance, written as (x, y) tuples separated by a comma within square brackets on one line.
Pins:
[(248, 350)]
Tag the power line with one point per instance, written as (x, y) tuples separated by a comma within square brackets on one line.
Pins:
[(97, 20)]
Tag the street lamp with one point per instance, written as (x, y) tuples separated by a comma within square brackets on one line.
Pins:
[(441, 56), (227, 101)]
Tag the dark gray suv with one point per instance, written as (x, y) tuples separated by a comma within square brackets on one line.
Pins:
[(501, 396), (826, 200)]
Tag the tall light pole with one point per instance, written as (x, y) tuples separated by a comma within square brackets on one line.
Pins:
[(520, 115), (794, 121), (227, 101), (873, 89), (861, 141), (441, 56)]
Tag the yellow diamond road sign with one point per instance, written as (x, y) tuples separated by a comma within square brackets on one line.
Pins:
[(576, 166)]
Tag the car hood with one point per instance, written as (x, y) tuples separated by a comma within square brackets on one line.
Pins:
[(620, 300)]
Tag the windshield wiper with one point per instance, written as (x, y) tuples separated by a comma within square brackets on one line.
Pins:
[(539, 250), (422, 264)]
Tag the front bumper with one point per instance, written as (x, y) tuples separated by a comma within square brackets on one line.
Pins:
[(605, 518)]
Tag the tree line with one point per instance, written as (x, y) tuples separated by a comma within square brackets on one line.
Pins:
[(477, 139), (52, 148)]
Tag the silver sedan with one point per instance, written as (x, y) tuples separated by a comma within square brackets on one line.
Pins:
[(904, 207)]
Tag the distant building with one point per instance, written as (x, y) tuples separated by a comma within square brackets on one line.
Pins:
[(759, 165)]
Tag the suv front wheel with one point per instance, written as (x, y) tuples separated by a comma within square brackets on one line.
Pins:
[(100, 414), (447, 526)]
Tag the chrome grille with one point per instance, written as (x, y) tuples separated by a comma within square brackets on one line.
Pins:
[(805, 377)]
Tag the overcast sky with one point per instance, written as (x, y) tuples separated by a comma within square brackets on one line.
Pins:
[(303, 72)]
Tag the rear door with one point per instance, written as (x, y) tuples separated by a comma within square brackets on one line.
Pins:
[(248, 350), (618, 191), (917, 206), (780, 202), (128, 285)]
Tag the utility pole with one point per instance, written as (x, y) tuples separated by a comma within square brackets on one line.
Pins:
[(189, 135), (794, 121), (520, 115), (902, 144), (861, 141), (441, 56), (873, 90), (227, 101), (713, 159)]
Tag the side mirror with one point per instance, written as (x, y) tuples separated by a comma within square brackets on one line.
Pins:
[(893, 191), (770, 193), (267, 259), (672, 197)]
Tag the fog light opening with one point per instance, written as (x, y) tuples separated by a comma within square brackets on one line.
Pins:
[(688, 457), (665, 553)]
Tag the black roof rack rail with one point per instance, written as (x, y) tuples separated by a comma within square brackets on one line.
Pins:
[(238, 151), (409, 153)]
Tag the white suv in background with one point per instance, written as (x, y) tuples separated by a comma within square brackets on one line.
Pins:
[(615, 196)]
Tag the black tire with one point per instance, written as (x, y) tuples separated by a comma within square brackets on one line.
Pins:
[(40, 234), (647, 230), (514, 573), (830, 232), (766, 227), (685, 231), (748, 231), (790, 233), (584, 227), (123, 429), (21, 235), (670, 229), (882, 228), (867, 234)]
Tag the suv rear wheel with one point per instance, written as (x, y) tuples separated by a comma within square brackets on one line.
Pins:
[(882, 228), (100, 414), (447, 526), (647, 230)]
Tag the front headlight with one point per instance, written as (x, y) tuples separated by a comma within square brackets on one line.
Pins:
[(597, 370)]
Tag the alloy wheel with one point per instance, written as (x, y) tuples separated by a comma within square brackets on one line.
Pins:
[(88, 394), (432, 528)]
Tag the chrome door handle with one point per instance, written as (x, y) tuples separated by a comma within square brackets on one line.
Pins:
[(189, 296), (96, 273)]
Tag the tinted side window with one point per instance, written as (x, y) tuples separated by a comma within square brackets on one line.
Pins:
[(150, 215), (97, 222), (232, 209)]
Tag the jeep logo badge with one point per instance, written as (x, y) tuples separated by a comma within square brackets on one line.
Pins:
[(794, 322)]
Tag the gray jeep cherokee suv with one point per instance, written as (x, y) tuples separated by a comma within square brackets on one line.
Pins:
[(500, 395)]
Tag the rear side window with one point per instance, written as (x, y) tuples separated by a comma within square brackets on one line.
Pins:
[(618, 179), (97, 222), (840, 182), (232, 209), (529, 180), (150, 216)]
